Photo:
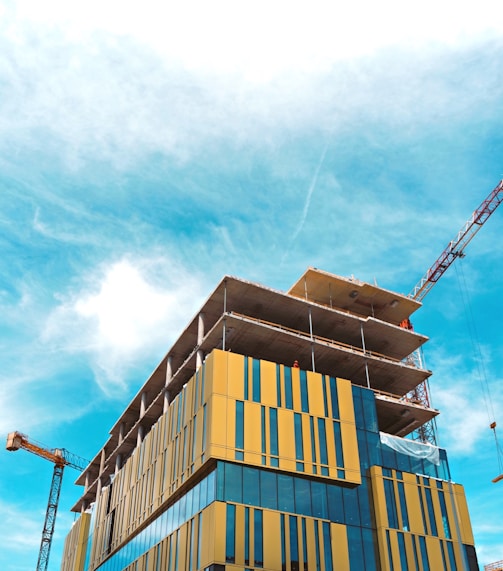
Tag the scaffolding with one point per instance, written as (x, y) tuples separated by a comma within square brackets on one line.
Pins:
[(496, 566)]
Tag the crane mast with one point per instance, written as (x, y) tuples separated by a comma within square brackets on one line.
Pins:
[(455, 249), (60, 458)]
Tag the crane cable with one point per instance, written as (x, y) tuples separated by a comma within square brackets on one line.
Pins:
[(479, 363)]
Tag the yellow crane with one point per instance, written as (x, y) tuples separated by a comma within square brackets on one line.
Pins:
[(60, 458)]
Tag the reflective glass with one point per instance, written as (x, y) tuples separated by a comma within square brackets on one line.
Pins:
[(335, 504), (339, 455), (355, 548), (303, 496), (251, 490), (369, 541), (268, 490), (334, 398), (256, 381), (233, 483), (304, 397), (424, 553), (247, 536), (319, 500), (357, 402), (278, 385), (327, 547), (322, 433), (299, 452), (246, 388), (445, 518), (230, 542), (431, 512), (317, 546), (273, 425), (294, 544), (401, 550), (258, 538), (403, 506), (286, 495), (240, 425), (287, 372), (391, 504)]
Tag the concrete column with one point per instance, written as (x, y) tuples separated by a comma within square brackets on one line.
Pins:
[(141, 434), (118, 463), (122, 430), (169, 376), (200, 337), (143, 404), (102, 461), (86, 486), (98, 489), (83, 507)]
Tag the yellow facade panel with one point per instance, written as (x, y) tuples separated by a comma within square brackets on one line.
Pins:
[(315, 390), (413, 505), (434, 553), (252, 432), (219, 538), (311, 545), (286, 443), (340, 551), (272, 540), (350, 451), (346, 406), (268, 393), (296, 389), (235, 375)]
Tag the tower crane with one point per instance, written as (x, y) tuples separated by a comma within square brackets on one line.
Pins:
[(455, 249), (60, 458)]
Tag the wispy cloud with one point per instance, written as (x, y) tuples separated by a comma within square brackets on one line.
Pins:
[(129, 309)]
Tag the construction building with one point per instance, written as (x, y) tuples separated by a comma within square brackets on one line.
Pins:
[(275, 435)]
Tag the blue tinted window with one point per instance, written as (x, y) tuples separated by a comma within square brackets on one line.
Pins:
[(287, 372), (299, 453), (424, 553), (335, 504), (362, 493), (323, 440), (294, 543), (369, 411), (355, 548), (351, 506), (256, 380), (390, 504), (230, 542), (445, 519), (251, 489), (431, 511), (283, 544), (286, 494), (390, 554), (362, 449), (278, 385), (240, 425), (268, 490), (247, 536), (403, 507), (327, 547), (262, 425), (401, 550), (303, 496), (233, 483), (452, 558), (319, 500), (374, 449), (313, 442), (357, 402), (304, 398), (273, 422), (304, 543), (258, 538), (369, 541), (325, 394), (339, 455), (317, 545), (246, 381), (334, 398)]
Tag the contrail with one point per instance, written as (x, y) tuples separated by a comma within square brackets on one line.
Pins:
[(307, 203)]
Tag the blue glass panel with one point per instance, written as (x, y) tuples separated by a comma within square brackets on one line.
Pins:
[(220, 481), (323, 440), (313, 442), (319, 500), (303, 496), (268, 490), (401, 550), (334, 398), (287, 372), (445, 519), (299, 452), (442, 549), (240, 425), (363, 495), (294, 543), (325, 394), (361, 435), (247, 536), (327, 547), (357, 402), (335, 504), (273, 425), (278, 385), (304, 398), (283, 544), (258, 539), (431, 512), (355, 547), (390, 554), (233, 483), (424, 553), (262, 426), (251, 489), (256, 381), (403, 507), (416, 559), (230, 528), (369, 541), (369, 411), (339, 455), (286, 494), (452, 558), (403, 462), (317, 546), (304, 543), (351, 506), (246, 388), (389, 492)]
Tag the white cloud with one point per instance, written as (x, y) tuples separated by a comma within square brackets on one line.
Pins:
[(129, 312)]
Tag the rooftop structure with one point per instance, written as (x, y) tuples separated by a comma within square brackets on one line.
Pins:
[(309, 390)]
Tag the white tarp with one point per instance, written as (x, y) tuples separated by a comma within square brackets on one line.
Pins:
[(411, 448)]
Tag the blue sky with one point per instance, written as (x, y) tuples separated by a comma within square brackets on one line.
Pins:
[(146, 151)]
